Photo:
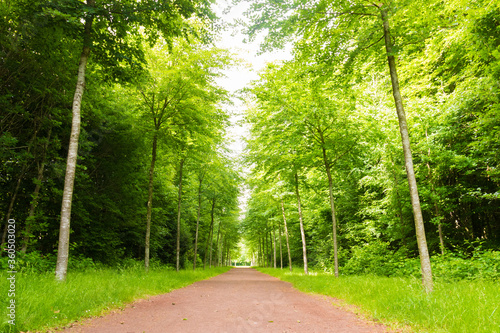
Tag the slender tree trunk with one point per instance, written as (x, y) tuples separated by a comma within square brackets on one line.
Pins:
[(286, 236), (412, 182), (332, 206), (150, 201), (400, 208), (437, 212), (34, 201), (224, 252), (281, 246), (264, 246), (269, 249), (274, 245), (197, 224), (33, 205), (217, 251), (11, 206), (209, 239), (211, 235), (178, 250), (16, 189), (302, 232), (64, 230), (259, 255)]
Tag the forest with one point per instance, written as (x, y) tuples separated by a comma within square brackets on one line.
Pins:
[(375, 150), (153, 180)]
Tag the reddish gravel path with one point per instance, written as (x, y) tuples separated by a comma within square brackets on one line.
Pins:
[(241, 300)]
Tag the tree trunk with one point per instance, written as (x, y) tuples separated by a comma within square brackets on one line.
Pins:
[(259, 255), (211, 234), (274, 245), (286, 236), (412, 182), (197, 223), (217, 251), (178, 250), (64, 230), (266, 249), (436, 206), (16, 189), (332, 206), (302, 232), (209, 239), (11, 207), (150, 201), (281, 246), (34, 202)]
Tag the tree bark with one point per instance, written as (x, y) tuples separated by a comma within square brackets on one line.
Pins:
[(286, 236), (197, 223), (332, 206), (266, 250), (150, 201), (259, 256), (302, 232), (11, 207), (34, 201), (436, 206), (281, 246), (412, 182), (64, 230), (178, 249), (274, 245), (217, 251), (209, 233), (16, 188), (209, 239)]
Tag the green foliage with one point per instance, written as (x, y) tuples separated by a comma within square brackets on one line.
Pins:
[(447, 56), (377, 259), (372, 258), (483, 265), (36, 263)]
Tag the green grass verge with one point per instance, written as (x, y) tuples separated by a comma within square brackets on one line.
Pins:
[(43, 303), (464, 306)]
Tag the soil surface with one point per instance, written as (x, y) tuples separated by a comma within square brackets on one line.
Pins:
[(240, 300)]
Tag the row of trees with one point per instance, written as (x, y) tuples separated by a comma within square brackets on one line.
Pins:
[(324, 142), (147, 173)]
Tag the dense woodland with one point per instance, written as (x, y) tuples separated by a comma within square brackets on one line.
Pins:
[(152, 156), (328, 177), (325, 135)]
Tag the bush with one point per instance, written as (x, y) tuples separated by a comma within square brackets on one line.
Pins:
[(36, 262), (375, 258)]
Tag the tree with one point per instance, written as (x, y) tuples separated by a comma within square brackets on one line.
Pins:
[(108, 29), (332, 27), (172, 95)]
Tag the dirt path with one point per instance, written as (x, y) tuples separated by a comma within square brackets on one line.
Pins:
[(241, 300)]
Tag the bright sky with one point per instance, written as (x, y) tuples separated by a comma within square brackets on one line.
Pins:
[(238, 78)]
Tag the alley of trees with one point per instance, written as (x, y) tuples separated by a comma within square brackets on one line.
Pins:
[(375, 146)]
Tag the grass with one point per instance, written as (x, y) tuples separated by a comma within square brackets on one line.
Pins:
[(43, 304), (461, 307)]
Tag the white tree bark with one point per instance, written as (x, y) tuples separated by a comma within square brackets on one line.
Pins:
[(425, 262)]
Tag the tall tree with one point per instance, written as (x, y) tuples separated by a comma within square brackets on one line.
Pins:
[(341, 32), (172, 93), (107, 30)]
